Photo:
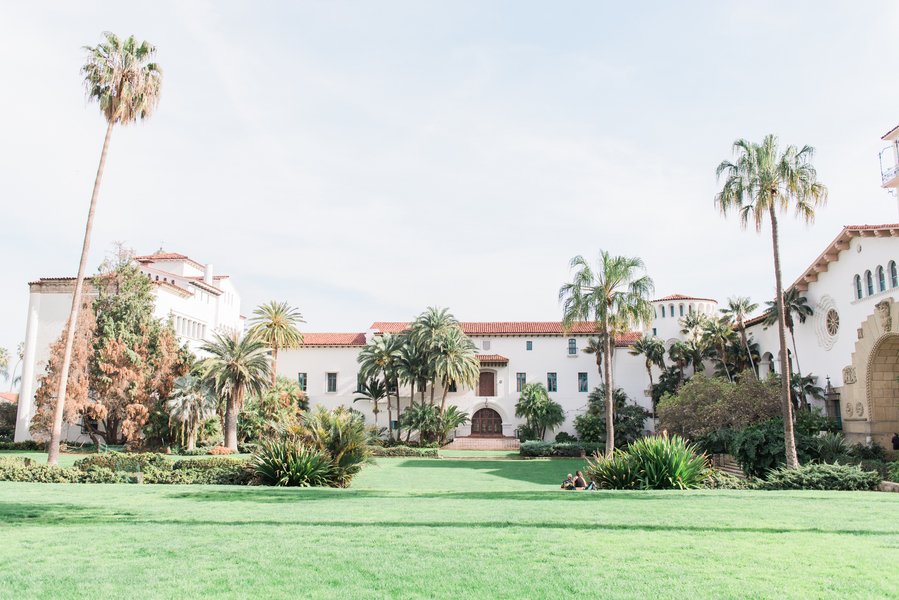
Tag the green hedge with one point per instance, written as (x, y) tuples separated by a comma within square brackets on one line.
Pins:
[(536, 448), (124, 461), (28, 445), (404, 451), (821, 477), (23, 470)]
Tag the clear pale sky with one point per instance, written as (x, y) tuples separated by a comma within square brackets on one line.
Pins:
[(363, 160)]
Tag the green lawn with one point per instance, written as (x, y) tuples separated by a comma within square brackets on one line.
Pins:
[(422, 528)]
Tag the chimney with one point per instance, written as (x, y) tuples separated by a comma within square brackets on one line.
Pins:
[(207, 275)]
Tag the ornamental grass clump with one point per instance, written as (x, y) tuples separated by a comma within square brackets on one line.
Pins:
[(290, 463), (651, 463)]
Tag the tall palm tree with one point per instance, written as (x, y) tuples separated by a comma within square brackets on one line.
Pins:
[(679, 354), (737, 309), (380, 358), (14, 379), (456, 362), (235, 368), (191, 402), (794, 303), (372, 390), (275, 324), (427, 329), (718, 334), (4, 363), (120, 75), (615, 297), (758, 183), (652, 349)]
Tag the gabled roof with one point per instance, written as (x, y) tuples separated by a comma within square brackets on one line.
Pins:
[(168, 256), (840, 243), (889, 134), (333, 339), (682, 297)]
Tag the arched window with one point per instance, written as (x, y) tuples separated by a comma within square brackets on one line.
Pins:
[(692, 309), (681, 307), (671, 309), (894, 277), (858, 287), (869, 283), (663, 311), (881, 280)]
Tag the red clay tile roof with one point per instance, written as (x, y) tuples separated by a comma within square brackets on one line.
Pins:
[(492, 358), (498, 327), (333, 339), (682, 297), (627, 339), (167, 256), (9, 397)]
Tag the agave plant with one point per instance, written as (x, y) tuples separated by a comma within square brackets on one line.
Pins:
[(831, 447), (651, 463)]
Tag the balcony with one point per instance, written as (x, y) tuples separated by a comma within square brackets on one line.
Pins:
[(889, 167)]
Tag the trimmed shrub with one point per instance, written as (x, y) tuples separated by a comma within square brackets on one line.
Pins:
[(818, 476), (205, 464), (866, 452), (719, 480), (238, 473), (30, 445), (220, 451), (404, 451), (124, 461), (23, 470), (195, 452), (893, 474), (289, 463), (563, 436), (651, 463), (538, 449)]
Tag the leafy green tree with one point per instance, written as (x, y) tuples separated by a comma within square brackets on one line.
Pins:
[(191, 403), (275, 324), (760, 182), (652, 349), (235, 368), (122, 77), (629, 419), (737, 310), (539, 411), (275, 413), (615, 297)]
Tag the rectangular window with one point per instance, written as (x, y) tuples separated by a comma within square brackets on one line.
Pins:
[(520, 380), (551, 385), (332, 382), (654, 331), (360, 381), (301, 379), (582, 382), (529, 345), (452, 387), (572, 346)]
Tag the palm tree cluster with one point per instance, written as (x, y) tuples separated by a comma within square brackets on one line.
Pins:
[(539, 411), (433, 352)]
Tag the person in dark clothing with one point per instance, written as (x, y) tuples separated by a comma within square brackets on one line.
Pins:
[(579, 482), (896, 441), (568, 484)]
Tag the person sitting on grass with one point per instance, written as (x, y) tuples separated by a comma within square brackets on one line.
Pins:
[(568, 484), (579, 482)]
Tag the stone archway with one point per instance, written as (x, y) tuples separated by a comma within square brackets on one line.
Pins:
[(870, 392), (486, 422)]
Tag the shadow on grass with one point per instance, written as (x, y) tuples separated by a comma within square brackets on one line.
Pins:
[(531, 471), (72, 515), (298, 495)]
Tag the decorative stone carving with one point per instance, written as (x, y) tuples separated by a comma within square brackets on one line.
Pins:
[(883, 315), (861, 333), (848, 409), (849, 376), (827, 322), (859, 408)]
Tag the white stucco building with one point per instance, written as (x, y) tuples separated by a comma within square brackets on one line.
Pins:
[(198, 301), (511, 354)]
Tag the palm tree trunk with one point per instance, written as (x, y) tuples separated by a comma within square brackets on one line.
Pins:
[(399, 413), (443, 400), (274, 365), (724, 362), (746, 344), (786, 405), (58, 410), (411, 405), (231, 421), (192, 437), (610, 406)]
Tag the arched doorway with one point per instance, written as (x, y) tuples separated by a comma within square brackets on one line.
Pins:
[(486, 422), (883, 389)]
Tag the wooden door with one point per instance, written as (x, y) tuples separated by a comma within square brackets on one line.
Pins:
[(487, 384), (486, 423)]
